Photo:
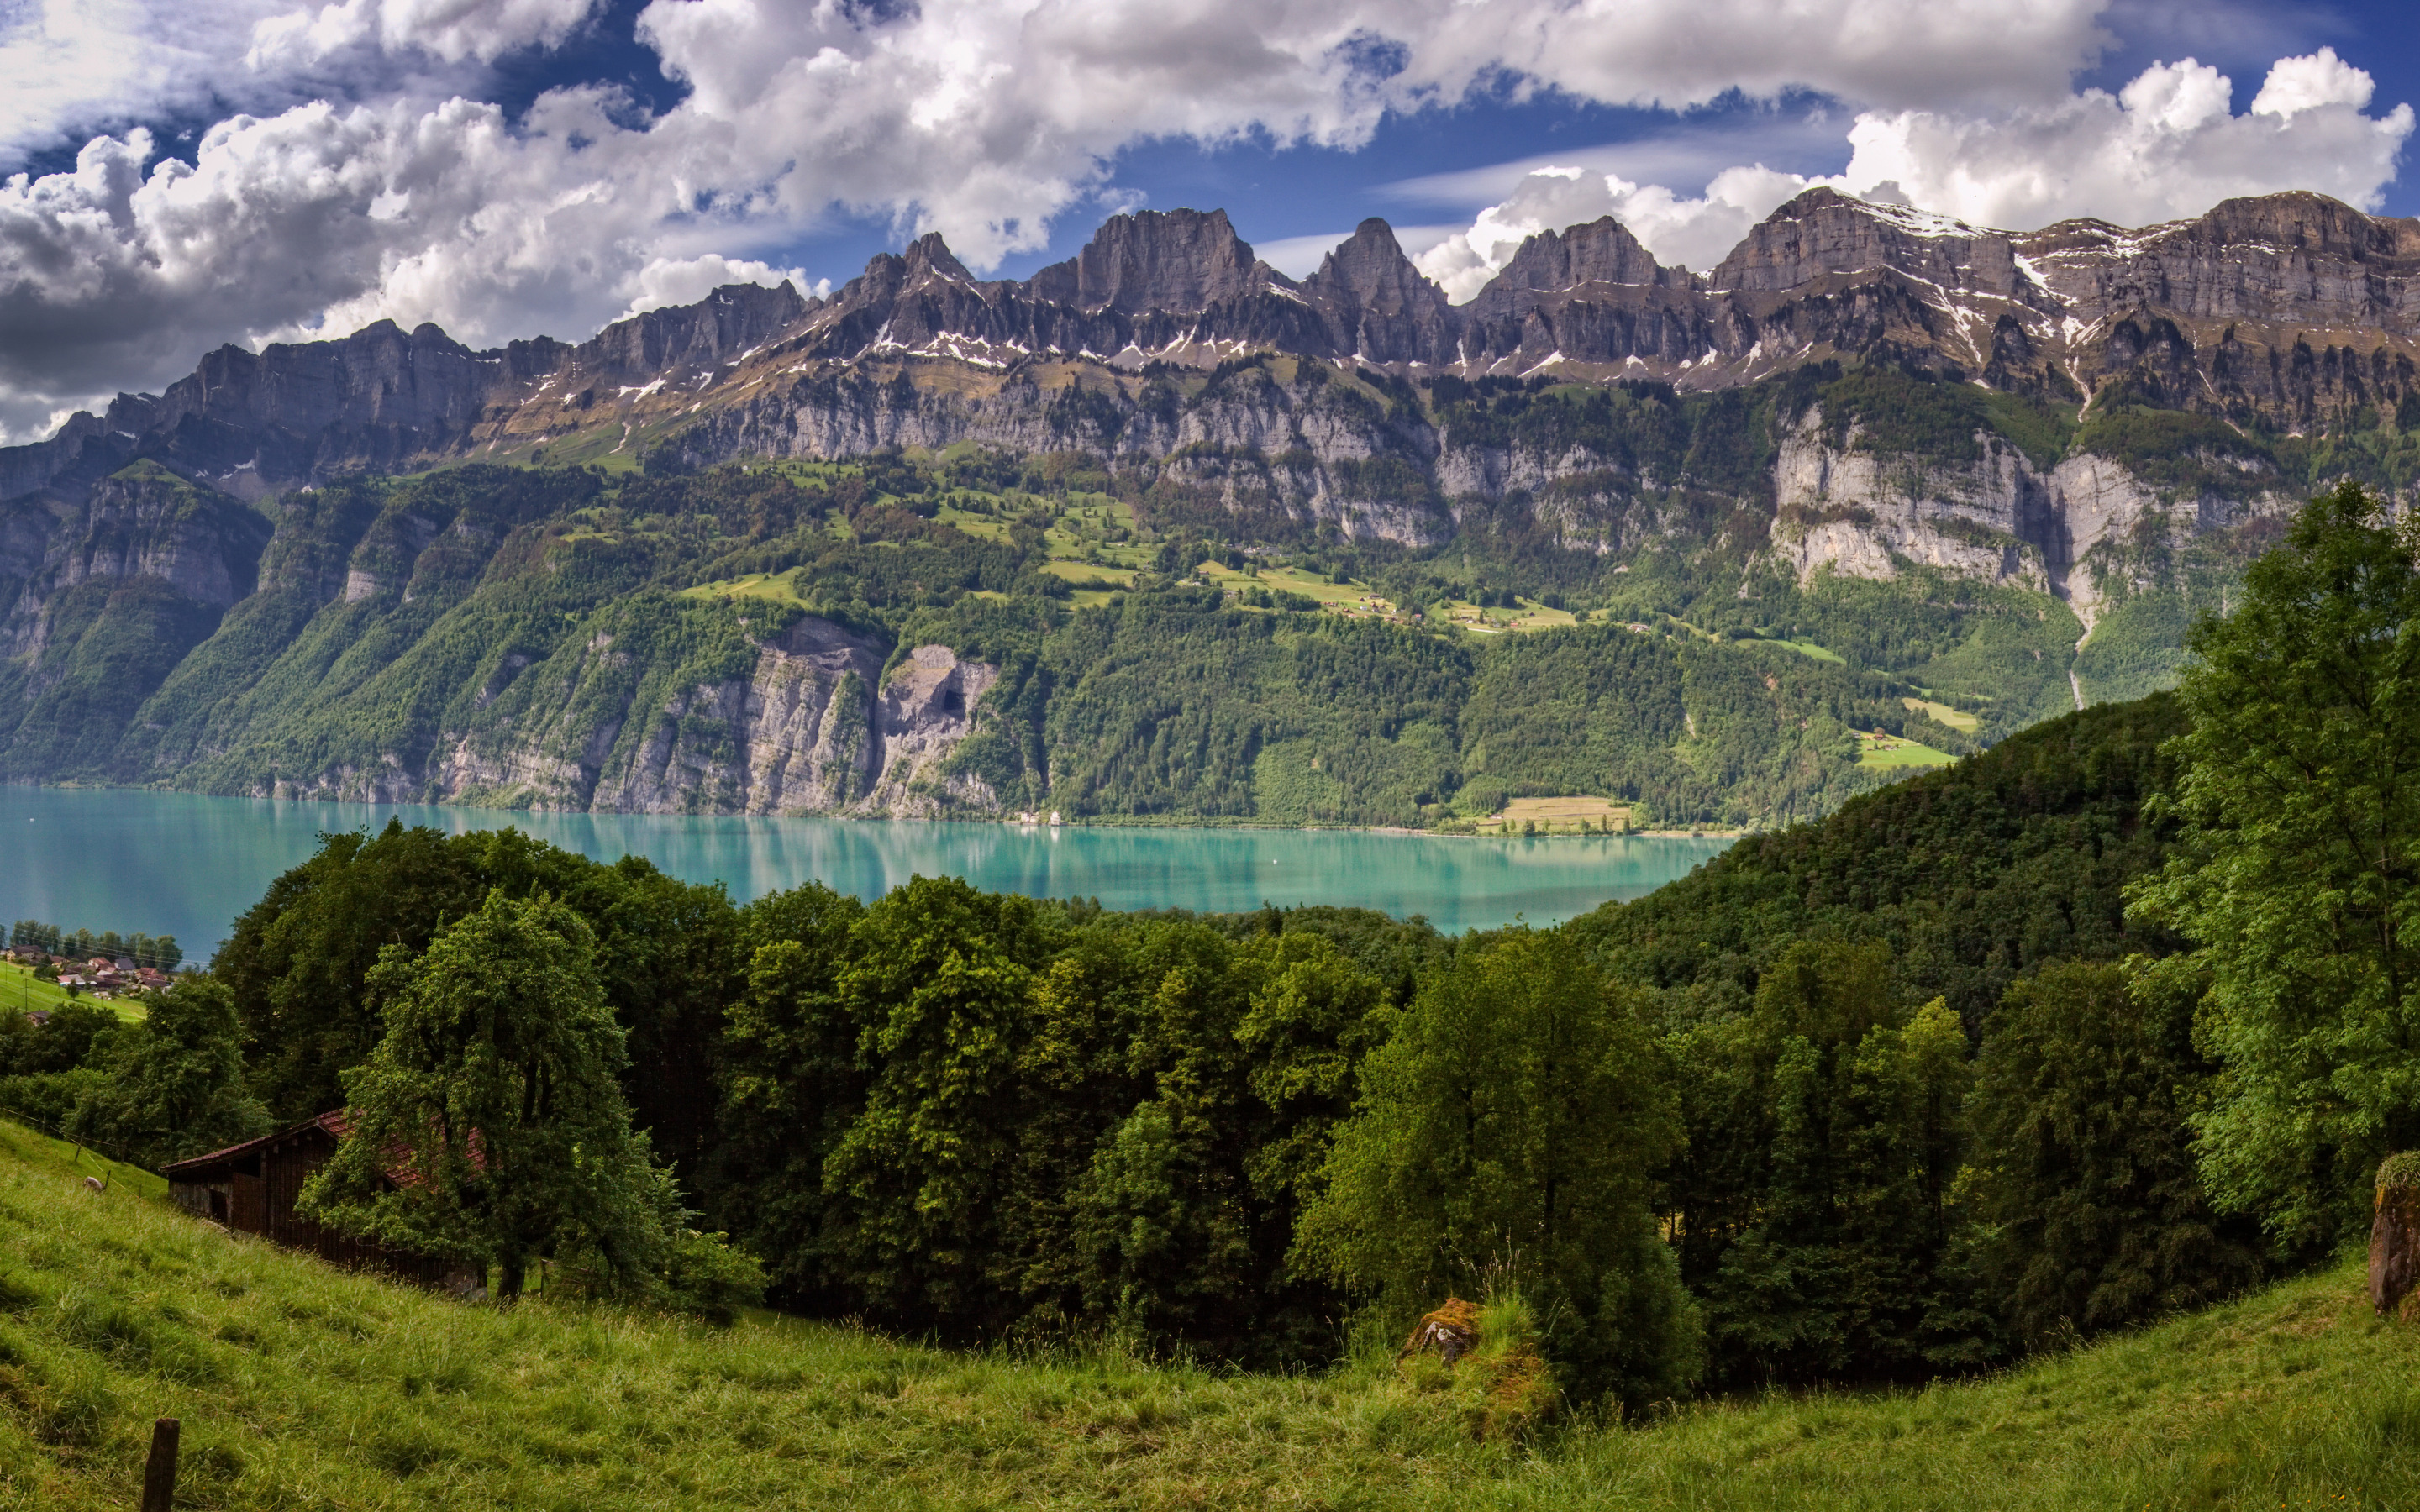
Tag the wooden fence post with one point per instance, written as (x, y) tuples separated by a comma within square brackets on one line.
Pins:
[(160, 1475)]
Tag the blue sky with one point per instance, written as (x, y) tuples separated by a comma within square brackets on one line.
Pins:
[(258, 170)]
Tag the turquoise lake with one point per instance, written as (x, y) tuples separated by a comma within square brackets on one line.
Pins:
[(173, 863)]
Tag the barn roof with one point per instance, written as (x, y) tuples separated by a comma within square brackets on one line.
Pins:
[(336, 1125), (333, 1125)]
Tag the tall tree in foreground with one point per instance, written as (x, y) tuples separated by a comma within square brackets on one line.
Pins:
[(2298, 876), (1510, 1125), (488, 1123)]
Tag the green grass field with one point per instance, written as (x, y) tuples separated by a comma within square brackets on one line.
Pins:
[(1943, 714), (22, 992), (1893, 750), (300, 1386), (775, 587)]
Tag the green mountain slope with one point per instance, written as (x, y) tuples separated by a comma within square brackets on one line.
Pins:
[(1973, 876), (300, 1386), (563, 639), (1690, 603)]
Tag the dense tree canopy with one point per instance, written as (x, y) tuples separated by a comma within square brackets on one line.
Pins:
[(1509, 1130), (174, 1080), (2088, 1210), (489, 1122), (2299, 875)]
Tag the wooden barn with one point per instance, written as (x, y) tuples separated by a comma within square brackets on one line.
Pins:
[(251, 1189)]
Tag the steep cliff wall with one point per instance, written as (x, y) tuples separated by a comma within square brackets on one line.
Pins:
[(610, 728), (1862, 513), (103, 600), (2291, 310), (928, 708)]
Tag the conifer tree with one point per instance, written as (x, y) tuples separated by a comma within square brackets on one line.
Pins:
[(2089, 1211)]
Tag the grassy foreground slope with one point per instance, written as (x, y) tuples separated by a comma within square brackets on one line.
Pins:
[(302, 1386)]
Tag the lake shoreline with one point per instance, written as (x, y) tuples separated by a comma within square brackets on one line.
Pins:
[(162, 862), (1098, 822)]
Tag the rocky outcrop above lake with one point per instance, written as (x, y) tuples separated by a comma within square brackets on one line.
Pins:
[(801, 732)]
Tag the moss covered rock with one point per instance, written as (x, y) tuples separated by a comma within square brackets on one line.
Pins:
[(2395, 1232)]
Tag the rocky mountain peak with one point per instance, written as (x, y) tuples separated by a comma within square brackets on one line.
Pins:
[(2310, 224), (1551, 262), (724, 324), (2295, 257), (929, 257), (1823, 232), (2294, 307), (1178, 261), (1376, 305), (1368, 267)]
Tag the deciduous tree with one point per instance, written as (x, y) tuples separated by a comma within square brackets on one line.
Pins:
[(489, 1122), (2299, 874), (1511, 1124)]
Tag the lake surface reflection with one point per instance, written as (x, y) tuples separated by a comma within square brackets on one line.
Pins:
[(173, 863)]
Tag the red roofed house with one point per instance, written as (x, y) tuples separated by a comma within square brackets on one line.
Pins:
[(252, 1188)]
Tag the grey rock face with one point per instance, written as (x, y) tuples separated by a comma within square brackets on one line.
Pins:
[(1823, 233), (927, 707), (804, 732), (1377, 306), (2296, 258), (1559, 262), (691, 337), (1178, 261), (202, 546), (2289, 307)]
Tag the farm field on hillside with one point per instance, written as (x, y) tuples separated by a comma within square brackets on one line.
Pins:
[(775, 587), (22, 992), (1876, 749), (300, 1386), (1943, 713), (1556, 815)]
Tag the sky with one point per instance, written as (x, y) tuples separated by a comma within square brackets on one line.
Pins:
[(175, 176)]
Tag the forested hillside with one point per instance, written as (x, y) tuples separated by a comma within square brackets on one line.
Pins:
[(735, 641)]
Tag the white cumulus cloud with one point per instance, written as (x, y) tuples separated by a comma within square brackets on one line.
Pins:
[(74, 64), (450, 29), (1678, 229), (2299, 83), (669, 281), (2166, 145)]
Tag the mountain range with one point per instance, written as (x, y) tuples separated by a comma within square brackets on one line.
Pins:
[(2292, 310), (2097, 418)]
